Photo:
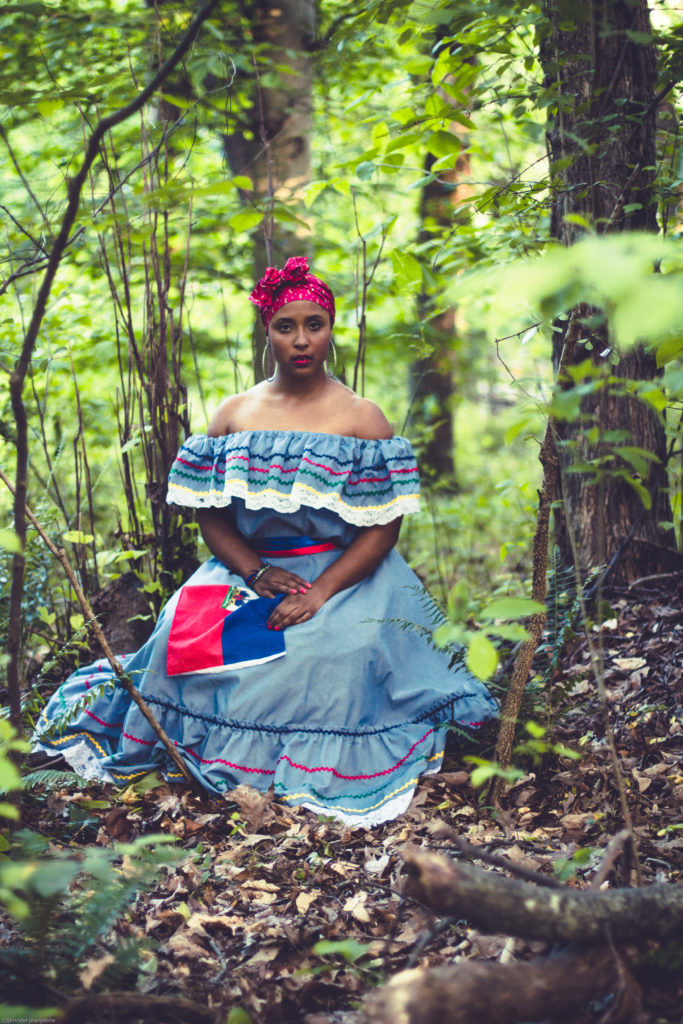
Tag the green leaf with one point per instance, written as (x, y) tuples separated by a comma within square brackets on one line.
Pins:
[(407, 270), (52, 876), (512, 608), (451, 633), (312, 191), (77, 537), (177, 101), (347, 949), (238, 1016), (402, 141), (512, 631), (486, 770), (10, 778), (669, 350), (245, 220), (443, 143), (639, 458), (652, 396), (640, 490), (9, 811), (365, 170), (482, 656), (10, 542), (566, 404), (241, 181)]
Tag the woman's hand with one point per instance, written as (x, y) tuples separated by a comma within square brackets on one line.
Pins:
[(365, 552), (296, 608), (276, 581)]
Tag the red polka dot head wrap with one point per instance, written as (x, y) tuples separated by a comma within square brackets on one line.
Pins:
[(294, 282)]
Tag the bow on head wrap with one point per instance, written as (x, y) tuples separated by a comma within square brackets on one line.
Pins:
[(278, 287)]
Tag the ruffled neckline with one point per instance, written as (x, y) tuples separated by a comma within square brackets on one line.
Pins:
[(365, 481)]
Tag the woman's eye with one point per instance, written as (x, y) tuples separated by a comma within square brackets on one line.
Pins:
[(315, 325)]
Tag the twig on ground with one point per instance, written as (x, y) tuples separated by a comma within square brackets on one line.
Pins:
[(617, 845)]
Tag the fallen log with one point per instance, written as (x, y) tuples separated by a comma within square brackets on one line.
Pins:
[(127, 1007), (508, 906), (498, 993)]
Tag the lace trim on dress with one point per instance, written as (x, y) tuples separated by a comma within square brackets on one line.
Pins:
[(82, 759), (387, 812), (365, 482)]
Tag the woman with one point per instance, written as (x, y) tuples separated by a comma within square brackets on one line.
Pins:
[(300, 488)]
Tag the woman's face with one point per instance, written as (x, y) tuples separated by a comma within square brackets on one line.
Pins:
[(300, 334)]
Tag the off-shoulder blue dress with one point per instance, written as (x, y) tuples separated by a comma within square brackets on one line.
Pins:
[(341, 713)]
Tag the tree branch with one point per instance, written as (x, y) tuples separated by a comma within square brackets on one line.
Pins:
[(527, 650), (501, 905), (498, 993)]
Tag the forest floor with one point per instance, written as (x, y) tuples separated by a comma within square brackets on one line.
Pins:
[(238, 922)]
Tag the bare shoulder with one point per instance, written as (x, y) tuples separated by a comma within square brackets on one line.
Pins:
[(226, 419), (369, 420)]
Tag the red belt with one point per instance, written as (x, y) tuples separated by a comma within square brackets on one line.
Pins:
[(286, 547)]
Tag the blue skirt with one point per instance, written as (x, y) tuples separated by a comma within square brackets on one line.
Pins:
[(341, 713)]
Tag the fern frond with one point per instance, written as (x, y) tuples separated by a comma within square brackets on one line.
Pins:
[(51, 778), (63, 720)]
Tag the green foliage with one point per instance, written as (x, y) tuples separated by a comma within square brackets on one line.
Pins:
[(236, 1015), (49, 779), (486, 770), (567, 868), (66, 906), (538, 744), (496, 618), (10, 779), (355, 955)]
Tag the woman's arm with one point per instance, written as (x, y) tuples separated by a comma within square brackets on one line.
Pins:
[(361, 558), (230, 548)]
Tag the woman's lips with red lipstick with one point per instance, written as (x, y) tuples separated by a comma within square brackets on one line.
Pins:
[(302, 360)]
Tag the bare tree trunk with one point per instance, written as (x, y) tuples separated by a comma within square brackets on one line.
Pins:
[(277, 153), (433, 385), (601, 140)]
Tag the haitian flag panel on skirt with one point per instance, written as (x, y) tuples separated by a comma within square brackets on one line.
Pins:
[(221, 627)]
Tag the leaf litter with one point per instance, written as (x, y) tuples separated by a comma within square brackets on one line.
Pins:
[(286, 918)]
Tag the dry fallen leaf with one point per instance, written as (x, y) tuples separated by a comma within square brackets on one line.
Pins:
[(304, 899), (355, 906), (261, 884), (94, 968), (183, 946), (253, 805), (377, 865), (630, 664)]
